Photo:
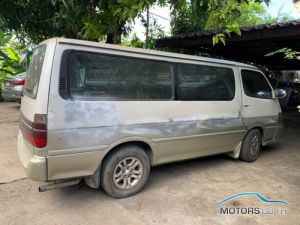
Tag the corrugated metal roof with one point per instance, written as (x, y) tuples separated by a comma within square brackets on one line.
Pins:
[(252, 46), (243, 30)]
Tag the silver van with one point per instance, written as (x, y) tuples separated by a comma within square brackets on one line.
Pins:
[(106, 114)]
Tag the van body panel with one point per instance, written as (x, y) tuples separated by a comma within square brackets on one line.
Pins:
[(269, 124), (35, 166), (81, 132), (197, 132), (202, 128), (276, 136), (73, 165)]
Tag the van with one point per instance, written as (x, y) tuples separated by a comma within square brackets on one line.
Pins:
[(106, 114)]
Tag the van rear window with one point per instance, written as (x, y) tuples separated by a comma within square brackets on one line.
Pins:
[(34, 73)]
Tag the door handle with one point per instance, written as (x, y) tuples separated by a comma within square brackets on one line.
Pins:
[(246, 106)]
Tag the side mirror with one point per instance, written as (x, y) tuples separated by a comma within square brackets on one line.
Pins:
[(280, 93)]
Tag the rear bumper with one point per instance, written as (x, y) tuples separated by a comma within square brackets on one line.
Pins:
[(34, 166), (13, 94)]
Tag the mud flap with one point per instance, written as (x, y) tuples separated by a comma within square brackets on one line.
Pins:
[(94, 180)]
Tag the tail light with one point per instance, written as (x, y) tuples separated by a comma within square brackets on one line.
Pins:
[(39, 133), (35, 132), (19, 82)]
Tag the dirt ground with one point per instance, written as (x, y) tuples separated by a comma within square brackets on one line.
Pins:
[(179, 193)]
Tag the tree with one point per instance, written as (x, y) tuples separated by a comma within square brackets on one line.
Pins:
[(36, 20), (183, 20), (155, 32), (228, 15), (81, 19), (133, 41), (111, 18)]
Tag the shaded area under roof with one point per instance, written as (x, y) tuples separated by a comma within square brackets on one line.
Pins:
[(252, 46)]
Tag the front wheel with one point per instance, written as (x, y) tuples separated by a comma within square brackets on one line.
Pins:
[(125, 172), (251, 146)]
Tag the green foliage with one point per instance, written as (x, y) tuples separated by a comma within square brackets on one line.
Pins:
[(133, 41), (183, 20), (111, 18), (230, 15), (36, 20), (98, 20), (95, 20), (287, 52), (219, 37), (41, 19), (155, 32), (254, 13), (9, 57)]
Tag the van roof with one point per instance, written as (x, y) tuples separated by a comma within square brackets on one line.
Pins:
[(145, 51)]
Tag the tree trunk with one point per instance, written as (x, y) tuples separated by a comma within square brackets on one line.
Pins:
[(147, 29), (115, 36)]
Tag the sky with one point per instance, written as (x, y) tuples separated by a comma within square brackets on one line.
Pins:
[(283, 6), (162, 15)]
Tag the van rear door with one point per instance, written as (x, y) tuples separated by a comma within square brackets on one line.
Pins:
[(33, 112)]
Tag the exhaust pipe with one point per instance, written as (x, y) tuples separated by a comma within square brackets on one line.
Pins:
[(58, 185)]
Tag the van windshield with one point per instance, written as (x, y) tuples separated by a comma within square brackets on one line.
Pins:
[(34, 73)]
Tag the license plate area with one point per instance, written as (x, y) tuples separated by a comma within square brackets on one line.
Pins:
[(7, 84)]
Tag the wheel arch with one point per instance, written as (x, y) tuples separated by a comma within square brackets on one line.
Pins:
[(144, 143), (245, 151), (258, 127), (94, 180), (236, 152)]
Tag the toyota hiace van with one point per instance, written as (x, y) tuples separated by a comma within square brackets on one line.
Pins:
[(106, 114)]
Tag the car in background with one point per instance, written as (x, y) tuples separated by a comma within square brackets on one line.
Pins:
[(13, 86), (290, 81)]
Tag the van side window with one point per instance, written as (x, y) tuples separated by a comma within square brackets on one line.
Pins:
[(205, 83), (255, 85), (113, 77)]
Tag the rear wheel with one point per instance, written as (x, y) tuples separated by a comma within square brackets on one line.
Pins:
[(251, 146), (125, 172)]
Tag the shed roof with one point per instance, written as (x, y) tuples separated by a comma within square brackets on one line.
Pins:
[(252, 46)]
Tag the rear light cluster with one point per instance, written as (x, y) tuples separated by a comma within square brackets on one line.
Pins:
[(19, 82), (35, 132)]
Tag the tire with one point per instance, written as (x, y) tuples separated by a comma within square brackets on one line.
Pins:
[(251, 146), (125, 172)]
